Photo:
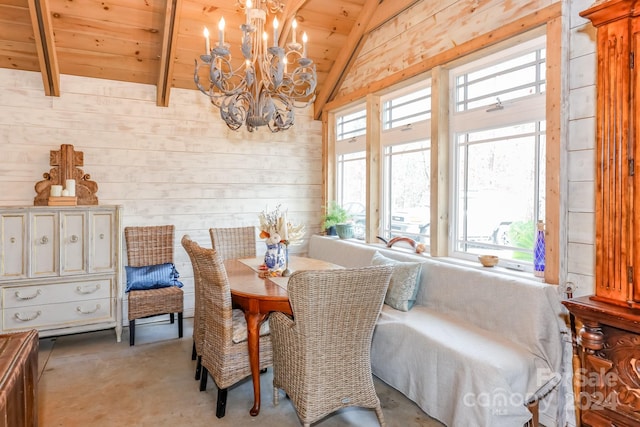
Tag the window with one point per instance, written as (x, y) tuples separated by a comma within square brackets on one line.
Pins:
[(406, 145), (351, 125), (498, 153), (352, 166)]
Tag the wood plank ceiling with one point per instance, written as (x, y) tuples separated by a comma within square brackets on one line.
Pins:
[(156, 41)]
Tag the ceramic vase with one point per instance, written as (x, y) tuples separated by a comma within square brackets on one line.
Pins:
[(275, 257)]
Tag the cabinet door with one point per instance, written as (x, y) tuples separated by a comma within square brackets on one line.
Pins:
[(44, 244), (102, 242), (614, 194), (13, 245), (72, 242)]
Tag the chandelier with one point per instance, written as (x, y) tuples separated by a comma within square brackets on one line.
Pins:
[(264, 89)]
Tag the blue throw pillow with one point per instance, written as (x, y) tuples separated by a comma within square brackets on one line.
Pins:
[(152, 277)]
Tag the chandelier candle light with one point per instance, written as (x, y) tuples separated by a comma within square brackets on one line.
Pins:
[(260, 91)]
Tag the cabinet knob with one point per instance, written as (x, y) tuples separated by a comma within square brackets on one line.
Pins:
[(12, 240), (101, 235), (74, 238), (44, 240)]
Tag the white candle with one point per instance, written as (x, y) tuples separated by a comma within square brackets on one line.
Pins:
[(65, 193), (248, 8), (70, 186), (285, 227), (294, 25), (275, 31), (207, 47), (304, 45), (56, 191), (221, 31)]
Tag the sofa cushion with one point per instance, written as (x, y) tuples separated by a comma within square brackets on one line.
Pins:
[(403, 285)]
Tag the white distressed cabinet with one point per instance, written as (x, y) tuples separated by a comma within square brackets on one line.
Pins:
[(60, 269)]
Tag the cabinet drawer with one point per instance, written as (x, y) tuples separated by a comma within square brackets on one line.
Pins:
[(32, 295), (51, 316)]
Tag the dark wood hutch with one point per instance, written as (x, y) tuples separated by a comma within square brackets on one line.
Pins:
[(608, 342)]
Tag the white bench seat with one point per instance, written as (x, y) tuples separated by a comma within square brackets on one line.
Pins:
[(476, 347)]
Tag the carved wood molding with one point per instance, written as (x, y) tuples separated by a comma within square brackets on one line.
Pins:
[(66, 162), (617, 370)]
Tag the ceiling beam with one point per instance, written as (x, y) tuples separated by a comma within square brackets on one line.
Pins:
[(46, 46), (388, 10), (169, 38), (346, 57)]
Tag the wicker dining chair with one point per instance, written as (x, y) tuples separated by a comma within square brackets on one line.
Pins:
[(234, 242), (225, 354), (198, 315), (230, 243), (321, 357), (152, 245)]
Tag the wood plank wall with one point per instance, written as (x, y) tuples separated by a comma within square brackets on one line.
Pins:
[(178, 165), (430, 28), (580, 208)]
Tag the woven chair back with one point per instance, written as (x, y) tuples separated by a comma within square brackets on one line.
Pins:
[(215, 295), (338, 309), (149, 245), (234, 242)]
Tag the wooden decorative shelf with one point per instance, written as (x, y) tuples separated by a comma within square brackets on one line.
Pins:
[(63, 201)]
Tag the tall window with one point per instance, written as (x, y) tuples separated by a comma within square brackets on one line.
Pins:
[(352, 166), (406, 145), (498, 153)]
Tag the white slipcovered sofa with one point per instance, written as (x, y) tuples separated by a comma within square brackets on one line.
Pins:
[(476, 348)]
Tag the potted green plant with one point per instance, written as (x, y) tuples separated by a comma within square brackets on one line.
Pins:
[(334, 215)]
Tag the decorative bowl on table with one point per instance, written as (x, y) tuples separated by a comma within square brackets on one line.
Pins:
[(488, 260)]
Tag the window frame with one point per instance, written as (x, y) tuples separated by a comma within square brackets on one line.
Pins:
[(396, 136), (512, 112)]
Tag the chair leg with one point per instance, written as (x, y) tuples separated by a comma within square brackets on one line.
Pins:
[(193, 351), (204, 374), (380, 416), (199, 368), (172, 318), (221, 406), (180, 325), (132, 332)]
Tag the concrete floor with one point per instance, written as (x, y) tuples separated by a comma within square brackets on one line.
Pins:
[(90, 380)]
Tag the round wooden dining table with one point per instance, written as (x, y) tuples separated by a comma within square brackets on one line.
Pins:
[(257, 297)]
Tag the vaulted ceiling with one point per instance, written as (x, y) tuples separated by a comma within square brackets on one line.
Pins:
[(156, 41)]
